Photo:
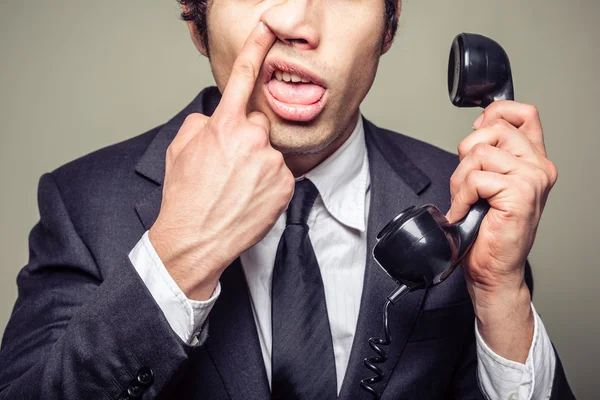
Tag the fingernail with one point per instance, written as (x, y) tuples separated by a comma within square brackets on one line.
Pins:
[(478, 121)]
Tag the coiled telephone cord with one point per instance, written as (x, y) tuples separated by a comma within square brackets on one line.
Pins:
[(377, 343)]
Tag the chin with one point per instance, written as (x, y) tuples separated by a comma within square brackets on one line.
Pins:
[(300, 139)]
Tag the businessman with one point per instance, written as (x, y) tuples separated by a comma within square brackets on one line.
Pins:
[(225, 254)]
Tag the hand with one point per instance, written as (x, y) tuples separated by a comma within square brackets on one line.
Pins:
[(225, 186), (504, 161)]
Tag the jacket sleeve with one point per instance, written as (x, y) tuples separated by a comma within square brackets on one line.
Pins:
[(560, 386), (76, 334), (464, 383)]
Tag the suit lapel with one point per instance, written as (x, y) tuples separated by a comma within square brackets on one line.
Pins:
[(395, 185), (152, 164), (233, 340)]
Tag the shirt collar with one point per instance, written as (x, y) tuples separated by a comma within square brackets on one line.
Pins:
[(342, 180)]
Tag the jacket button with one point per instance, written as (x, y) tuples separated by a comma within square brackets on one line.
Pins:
[(145, 376), (135, 391)]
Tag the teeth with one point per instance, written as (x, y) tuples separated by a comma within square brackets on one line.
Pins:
[(288, 77)]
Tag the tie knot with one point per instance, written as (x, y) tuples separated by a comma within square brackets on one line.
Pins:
[(305, 194)]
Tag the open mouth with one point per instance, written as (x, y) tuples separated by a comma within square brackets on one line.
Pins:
[(293, 93)]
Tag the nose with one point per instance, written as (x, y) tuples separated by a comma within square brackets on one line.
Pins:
[(294, 22)]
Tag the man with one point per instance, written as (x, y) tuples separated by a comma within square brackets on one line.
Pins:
[(222, 255)]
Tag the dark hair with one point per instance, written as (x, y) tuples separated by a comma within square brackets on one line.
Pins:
[(196, 12)]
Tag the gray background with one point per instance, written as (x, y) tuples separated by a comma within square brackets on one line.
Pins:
[(78, 75)]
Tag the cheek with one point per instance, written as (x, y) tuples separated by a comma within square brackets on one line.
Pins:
[(356, 24), (226, 39), (355, 49)]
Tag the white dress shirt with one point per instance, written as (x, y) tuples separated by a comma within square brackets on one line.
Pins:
[(337, 230)]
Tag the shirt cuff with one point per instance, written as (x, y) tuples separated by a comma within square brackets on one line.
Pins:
[(500, 378), (185, 316)]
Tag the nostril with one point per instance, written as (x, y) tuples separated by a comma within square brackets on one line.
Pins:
[(296, 41)]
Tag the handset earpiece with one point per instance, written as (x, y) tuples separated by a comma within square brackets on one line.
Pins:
[(478, 72), (419, 248)]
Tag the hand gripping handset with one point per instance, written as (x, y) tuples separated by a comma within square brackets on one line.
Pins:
[(419, 247)]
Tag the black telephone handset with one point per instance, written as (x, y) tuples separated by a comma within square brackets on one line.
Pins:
[(419, 247)]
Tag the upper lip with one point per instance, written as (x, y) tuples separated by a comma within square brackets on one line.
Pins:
[(273, 64)]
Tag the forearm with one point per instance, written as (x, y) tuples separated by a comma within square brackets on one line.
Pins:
[(505, 320)]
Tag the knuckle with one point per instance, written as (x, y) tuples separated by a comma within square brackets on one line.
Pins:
[(265, 121), (278, 158), (257, 138), (480, 149), (471, 178), (531, 111), (272, 160), (454, 182), (499, 124), (245, 68), (552, 172), (260, 119), (289, 182), (251, 141), (288, 190), (462, 148), (195, 119), (543, 178)]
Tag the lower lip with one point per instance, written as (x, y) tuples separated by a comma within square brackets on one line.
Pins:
[(295, 112)]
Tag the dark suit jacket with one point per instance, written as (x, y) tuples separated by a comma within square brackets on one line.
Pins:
[(84, 325)]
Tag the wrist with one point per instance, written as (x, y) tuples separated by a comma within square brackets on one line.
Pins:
[(495, 307), (505, 320), (495, 300), (193, 266)]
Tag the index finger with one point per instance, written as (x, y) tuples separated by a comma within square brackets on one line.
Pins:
[(245, 70)]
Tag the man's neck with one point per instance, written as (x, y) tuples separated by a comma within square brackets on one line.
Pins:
[(300, 164)]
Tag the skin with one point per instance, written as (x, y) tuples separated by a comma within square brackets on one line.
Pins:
[(230, 176), (308, 34), (504, 161)]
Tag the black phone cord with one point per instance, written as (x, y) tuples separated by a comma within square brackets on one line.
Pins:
[(377, 343)]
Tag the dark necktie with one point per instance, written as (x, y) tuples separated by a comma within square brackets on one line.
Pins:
[(302, 359)]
